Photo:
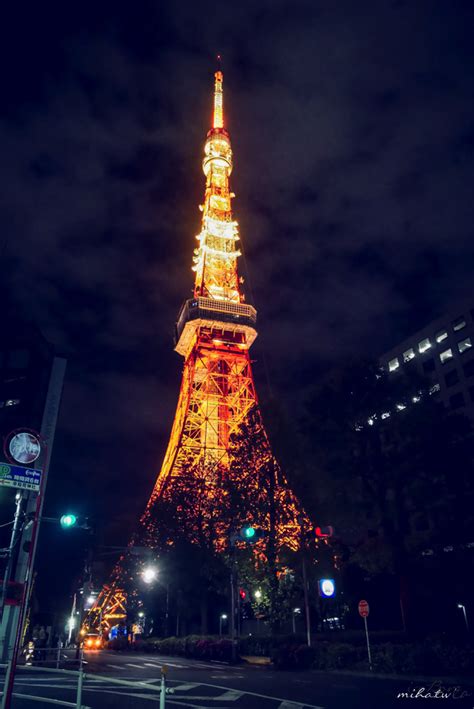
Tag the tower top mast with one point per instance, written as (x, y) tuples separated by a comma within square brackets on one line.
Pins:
[(218, 120)]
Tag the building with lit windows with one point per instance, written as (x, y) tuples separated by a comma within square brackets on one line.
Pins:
[(443, 350)]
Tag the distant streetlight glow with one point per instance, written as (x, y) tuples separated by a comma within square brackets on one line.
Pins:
[(141, 614), (149, 574), (258, 594)]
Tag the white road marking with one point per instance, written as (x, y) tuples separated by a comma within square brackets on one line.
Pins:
[(231, 696), (116, 667), (185, 687), (152, 664), (138, 667)]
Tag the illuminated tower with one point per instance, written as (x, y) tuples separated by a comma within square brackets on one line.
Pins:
[(214, 332)]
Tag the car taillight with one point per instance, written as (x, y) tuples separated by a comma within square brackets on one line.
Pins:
[(89, 643), (97, 643)]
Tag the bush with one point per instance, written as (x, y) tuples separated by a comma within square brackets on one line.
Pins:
[(293, 657), (194, 646)]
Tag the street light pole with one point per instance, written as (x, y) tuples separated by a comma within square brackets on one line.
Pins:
[(305, 582), (463, 608)]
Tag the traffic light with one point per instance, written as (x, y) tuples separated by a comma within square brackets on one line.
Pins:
[(324, 532), (243, 594), (248, 533), (71, 521), (68, 521)]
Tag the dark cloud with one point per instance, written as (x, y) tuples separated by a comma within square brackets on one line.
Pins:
[(353, 139)]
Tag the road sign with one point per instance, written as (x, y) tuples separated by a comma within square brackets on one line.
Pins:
[(16, 476), (363, 609)]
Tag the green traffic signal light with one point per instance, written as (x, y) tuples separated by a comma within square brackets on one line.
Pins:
[(248, 533), (68, 521)]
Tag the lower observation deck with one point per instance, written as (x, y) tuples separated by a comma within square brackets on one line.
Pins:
[(221, 314)]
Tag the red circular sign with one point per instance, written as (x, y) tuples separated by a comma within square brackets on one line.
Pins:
[(363, 609)]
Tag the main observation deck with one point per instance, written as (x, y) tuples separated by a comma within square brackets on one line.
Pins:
[(219, 314)]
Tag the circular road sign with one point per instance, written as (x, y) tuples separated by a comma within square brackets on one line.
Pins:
[(24, 447), (363, 609)]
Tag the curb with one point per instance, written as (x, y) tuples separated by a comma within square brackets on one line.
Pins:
[(409, 678)]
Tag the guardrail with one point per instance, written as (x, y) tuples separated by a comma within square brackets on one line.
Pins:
[(160, 691)]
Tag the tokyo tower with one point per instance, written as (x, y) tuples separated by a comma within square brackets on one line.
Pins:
[(214, 332), (217, 401)]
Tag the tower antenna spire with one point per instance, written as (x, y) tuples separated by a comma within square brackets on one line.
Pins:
[(218, 119)]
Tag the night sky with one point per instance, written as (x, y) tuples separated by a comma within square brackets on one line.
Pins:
[(353, 137)]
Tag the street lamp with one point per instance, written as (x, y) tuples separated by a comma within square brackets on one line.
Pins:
[(149, 574), (258, 594), (223, 616), (141, 614), (296, 611), (460, 605)]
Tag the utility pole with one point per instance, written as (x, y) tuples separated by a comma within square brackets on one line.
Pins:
[(305, 582), (12, 552)]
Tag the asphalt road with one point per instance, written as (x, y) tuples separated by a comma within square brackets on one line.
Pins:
[(198, 685)]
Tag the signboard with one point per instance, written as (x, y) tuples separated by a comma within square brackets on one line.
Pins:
[(327, 588), (363, 609), (23, 478), (24, 447)]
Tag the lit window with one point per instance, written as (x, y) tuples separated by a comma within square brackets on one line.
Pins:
[(393, 364), (458, 324), (12, 402), (424, 345), (446, 355), (465, 344), (400, 407), (441, 335), (416, 399), (435, 388), (370, 422), (408, 355), (385, 415)]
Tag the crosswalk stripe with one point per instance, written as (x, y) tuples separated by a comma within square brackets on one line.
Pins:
[(116, 667), (185, 687), (151, 664), (130, 664), (231, 696)]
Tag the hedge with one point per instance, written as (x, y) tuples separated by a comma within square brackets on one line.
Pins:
[(435, 655)]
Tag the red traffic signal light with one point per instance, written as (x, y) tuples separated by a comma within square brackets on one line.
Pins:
[(324, 532), (242, 594)]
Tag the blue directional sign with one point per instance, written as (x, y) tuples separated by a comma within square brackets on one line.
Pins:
[(16, 476)]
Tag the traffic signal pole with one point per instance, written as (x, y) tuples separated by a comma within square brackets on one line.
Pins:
[(232, 606), (13, 549)]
